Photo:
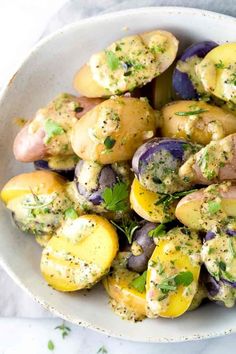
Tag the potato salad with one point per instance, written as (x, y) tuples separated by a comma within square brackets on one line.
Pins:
[(134, 180)]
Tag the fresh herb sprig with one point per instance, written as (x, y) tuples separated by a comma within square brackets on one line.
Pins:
[(171, 283), (160, 230), (167, 199), (65, 330), (102, 350), (128, 227), (115, 198)]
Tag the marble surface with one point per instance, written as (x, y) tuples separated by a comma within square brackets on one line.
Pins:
[(22, 24)]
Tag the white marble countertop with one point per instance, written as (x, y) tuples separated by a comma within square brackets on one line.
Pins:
[(22, 23)]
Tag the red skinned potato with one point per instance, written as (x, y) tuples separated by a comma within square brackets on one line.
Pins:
[(48, 134), (214, 163), (207, 208)]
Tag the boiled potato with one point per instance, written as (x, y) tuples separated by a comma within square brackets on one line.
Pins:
[(217, 72), (173, 273), (206, 208), (119, 287), (206, 122), (39, 182), (38, 201), (80, 253), (143, 202), (113, 130), (127, 63)]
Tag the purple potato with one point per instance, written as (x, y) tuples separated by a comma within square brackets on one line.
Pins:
[(68, 173), (104, 176), (210, 235), (157, 162), (139, 263), (182, 83)]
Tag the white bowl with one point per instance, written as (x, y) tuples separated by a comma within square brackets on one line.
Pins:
[(49, 70)]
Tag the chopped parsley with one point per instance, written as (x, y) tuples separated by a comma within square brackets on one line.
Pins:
[(65, 330), (113, 61), (160, 230), (109, 142), (167, 199), (191, 113), (171, 283), (51, 345), (102, 350), (128, 227), (213, 206), (52, 129), (115, 198), (139, 283), (231, 247), (220, 65), (71, 213)]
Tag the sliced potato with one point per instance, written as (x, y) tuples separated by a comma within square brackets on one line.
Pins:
[(173, 273), (119, 288), (80, 253), (39, 182), (127, 63), (202, 210), (143, 202), (113, 130), (206, 122), (217, 72)]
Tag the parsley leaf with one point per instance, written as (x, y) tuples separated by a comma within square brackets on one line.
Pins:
[(171, 283), (109, 142), (52, 129), (191, 113), (160, 230), (167, 199), (184, 278), (71, 213), (102, 350), (115, 198), (51, 345), (65, 330), (113, 61), (213, 206), (139, 283), (128, 227)]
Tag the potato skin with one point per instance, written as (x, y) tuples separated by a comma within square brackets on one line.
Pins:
[(29, 144), (162, 46), (214, 124), (189, 209), (127, 121)]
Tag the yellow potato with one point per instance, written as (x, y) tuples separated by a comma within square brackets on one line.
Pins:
[(203, 209), (113, 130), (217, 72), (213, 123), (143, 203), (39, 182), (173, 273), (80, 253), (127, 63), (119, 288)]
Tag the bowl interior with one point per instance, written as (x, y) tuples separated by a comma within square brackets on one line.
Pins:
[(47, 71)]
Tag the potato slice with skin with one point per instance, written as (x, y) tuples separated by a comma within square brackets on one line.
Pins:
[(213, 123), (202, 210), (113, 130), (80, 253), (130, 62), (217, 72), (173, 273), (143, 203), (40, 182), (118, 287)]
